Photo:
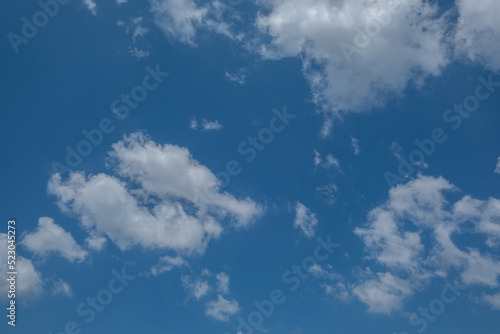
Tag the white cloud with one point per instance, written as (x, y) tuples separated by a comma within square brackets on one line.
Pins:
[(328, 192), (318, 270), (193, 123), (205, 125), (163, 198), (305, 220), (31, 284), (399, 153), (330, 161), (199, 287), (195, 287), (137, 53), (355, 145), (178, 18), (395, 230), (317, 158), (167, 263), (134, 27), (477, 31), (210, 125), (405, 48), (120, 2), (51, 238), (222, 308), (95, 242), (238, 77), (181, 19), (62, 288), (497, 167), (485, 215), (396, 150), (493, 300), (338, 290), (222, 283), (383, 293), (335, 286), (387, 244), (480, 269), (91, 6)]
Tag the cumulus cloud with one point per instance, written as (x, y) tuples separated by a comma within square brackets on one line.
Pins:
[(383, 293), (95, 242), (477, 32), (393, 239), (484, 213), (222, 308), (52, 238), (305, 220), (387, 244), (347, 70), (29, 282), (163, 198)]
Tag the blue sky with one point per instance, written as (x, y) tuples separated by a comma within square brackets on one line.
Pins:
[(301, 166)]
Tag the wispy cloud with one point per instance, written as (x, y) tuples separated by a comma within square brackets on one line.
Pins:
[(167, 263), (61, 288), (196, 287), (238, 77), (329, 161), (355, 145), (205, 125), (222, 308), (305, 220), (91, 6)]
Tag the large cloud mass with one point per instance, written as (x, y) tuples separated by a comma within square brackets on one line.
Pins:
[(478, 30), (162, 198), (357, 54), (417, 210)]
